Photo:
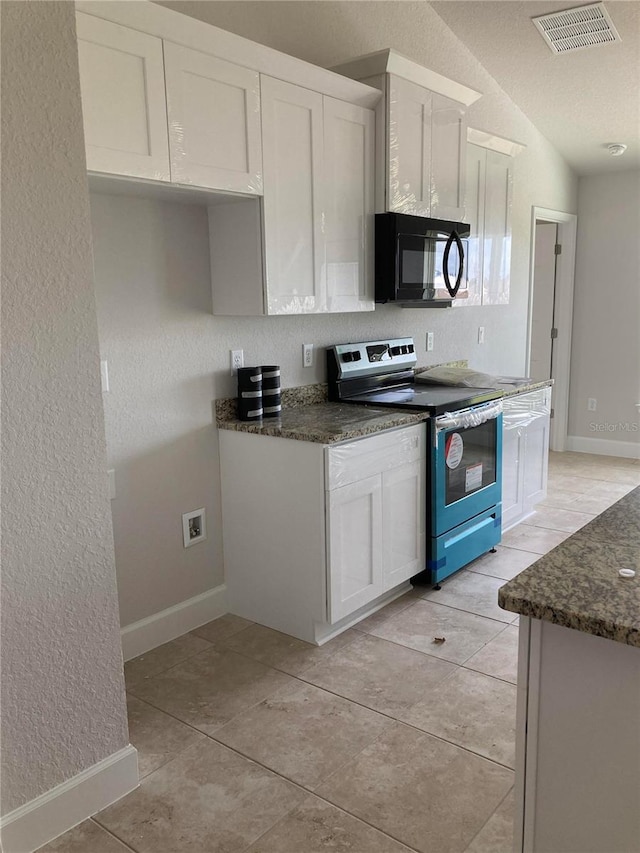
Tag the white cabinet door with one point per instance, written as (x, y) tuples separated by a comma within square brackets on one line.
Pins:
[(448, 158), (403, 499), (123, 99), (497, 229), (292, 139), (513, 451), (536, 461), (474, 205), (408, 147), (488, 201), (214, 121), (349, 205), (354, 536)]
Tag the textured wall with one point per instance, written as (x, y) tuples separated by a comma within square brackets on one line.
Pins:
[(62, 686), (605, 351), (169, 357)]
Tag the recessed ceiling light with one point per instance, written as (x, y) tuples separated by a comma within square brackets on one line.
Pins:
[(577, 28)]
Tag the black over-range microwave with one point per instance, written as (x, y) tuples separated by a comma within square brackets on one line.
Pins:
[(419, 262)]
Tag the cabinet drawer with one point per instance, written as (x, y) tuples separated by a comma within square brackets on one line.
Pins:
[(525, 407), (355, 460)]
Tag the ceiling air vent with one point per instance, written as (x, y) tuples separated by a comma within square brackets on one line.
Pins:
[(575, 29)]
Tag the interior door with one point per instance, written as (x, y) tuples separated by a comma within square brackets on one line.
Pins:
[(544, 286)]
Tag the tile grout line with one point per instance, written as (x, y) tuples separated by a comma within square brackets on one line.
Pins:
[(345, 699), (111, 833), (173, 665), (500, 804)]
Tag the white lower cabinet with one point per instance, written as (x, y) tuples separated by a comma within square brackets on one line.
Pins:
[(403, 521), (354, 539), (317, 537), (525, 454)]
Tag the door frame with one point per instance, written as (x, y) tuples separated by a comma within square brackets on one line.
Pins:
[(563, 316)]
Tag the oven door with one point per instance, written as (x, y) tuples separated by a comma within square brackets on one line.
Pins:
[(466, 465)]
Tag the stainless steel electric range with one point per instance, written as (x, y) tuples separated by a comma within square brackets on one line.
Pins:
[(464, 463)]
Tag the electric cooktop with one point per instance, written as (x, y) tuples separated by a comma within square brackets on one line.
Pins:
[(436, 401), (382, 373)]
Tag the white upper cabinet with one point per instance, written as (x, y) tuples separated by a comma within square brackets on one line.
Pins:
[(448, 158), (408, 147), (214, 121), (292, 135), (349, 205), (123, 100), (426, 154), (497, 229), (488, 204), (289, 165), (318, 201), (423, 150), (476, 170)]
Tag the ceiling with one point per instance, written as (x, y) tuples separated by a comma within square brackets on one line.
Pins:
[(580, 101)]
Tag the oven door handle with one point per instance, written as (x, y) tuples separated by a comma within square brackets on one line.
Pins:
[(467, 418)]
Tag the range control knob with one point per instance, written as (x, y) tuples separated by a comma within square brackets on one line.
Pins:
[(410, 348), (347, 356), (396, 350), (356, 355), (405, 349)]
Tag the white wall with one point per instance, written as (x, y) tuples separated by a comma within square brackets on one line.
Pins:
[(169, 357), (63, 704), (605, 352)]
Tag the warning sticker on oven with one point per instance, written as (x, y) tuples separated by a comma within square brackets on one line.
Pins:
[(453, 450), (473, 477)]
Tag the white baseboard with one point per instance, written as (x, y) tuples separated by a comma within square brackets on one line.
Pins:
[(147, 634), (65, 806), (604, 446)]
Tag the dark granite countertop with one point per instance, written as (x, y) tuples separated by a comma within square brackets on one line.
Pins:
[(307, 416), (510, 385), (577, 585), (515, 385)]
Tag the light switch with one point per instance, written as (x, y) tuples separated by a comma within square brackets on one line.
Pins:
[(104, 375)]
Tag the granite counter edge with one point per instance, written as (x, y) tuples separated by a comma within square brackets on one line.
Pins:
[(604, 628)]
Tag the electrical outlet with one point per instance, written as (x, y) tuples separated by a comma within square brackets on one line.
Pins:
[(592, 404), (429, 341), (307, 355), (194, 527), (480, 334), (237, 360)]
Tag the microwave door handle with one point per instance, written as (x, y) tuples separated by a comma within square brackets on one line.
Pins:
[(453, 238)]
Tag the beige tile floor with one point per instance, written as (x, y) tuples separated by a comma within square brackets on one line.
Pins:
[(381, 741)]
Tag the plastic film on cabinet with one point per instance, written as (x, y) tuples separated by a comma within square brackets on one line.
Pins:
[(356, 460)]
